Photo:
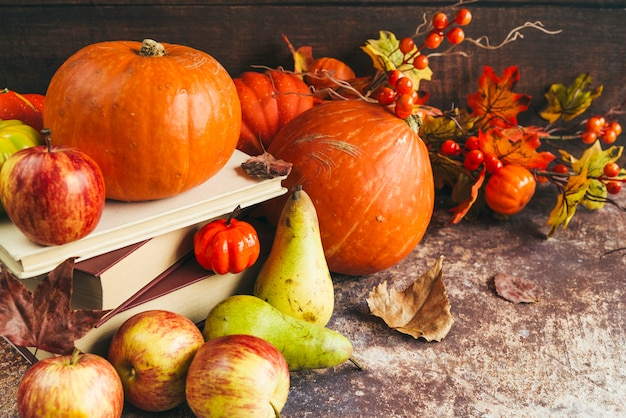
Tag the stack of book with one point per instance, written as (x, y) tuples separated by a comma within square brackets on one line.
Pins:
[(140, 256)]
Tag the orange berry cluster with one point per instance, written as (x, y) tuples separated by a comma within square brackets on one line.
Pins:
[(399, 88), (597, 127)]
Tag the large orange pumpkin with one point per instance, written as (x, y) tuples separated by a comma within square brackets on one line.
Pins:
[(369, 176), (268, 101), (158, 119)]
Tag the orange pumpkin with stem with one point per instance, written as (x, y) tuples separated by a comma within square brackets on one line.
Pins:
[(370, 179), (158, 119)]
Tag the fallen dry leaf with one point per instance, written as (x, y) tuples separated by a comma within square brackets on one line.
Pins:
[(422, 310), (43, 319), (517, 289), (265, 166)]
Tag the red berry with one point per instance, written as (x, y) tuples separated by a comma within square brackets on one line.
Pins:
[(616, 127), (560, 169), (404, 85), (493, 164), (613, 187), (450, 147), (588, 137), (433, 40), (406, 45), (386, 96), (404, 106), (420, 62), (393, 76), (611, 170), (609, 136), (595, 124), (463, 17), (455, 36), (472, 143), (440, 20), (473, 159)]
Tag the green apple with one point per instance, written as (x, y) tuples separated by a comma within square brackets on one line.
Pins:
[(151, 352), (237, 376)]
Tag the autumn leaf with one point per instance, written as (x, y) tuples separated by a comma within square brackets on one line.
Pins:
[(517, 289), (266, 166), (302, 57), (386, 56), (438, 127), (470, 189), (495, 103), (515, 146), (422, 310), (567, 102), (44, 318), (567, 202), (584, 187)]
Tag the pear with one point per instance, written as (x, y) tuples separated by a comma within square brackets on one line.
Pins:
[(303, 344), (295, 278)]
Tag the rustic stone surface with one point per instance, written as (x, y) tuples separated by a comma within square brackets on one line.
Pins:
[(560, 357)]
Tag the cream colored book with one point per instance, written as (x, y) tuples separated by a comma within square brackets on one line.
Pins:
[(124, 223)]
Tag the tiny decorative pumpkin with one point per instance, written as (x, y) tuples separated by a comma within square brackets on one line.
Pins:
[(226, 245), (509, 191), (268, 101), (158, 119), (370, 179)]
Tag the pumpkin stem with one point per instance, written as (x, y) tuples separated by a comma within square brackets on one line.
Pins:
[(295, 194), (414, 122), (232, 215), (151, 48)]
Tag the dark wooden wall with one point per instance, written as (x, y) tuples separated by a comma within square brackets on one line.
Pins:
[(37, 36)]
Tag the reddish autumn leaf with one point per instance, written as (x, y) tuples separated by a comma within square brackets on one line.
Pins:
[(515, 146), (517, 289), (470, 189), (44, 318), (495, 103)]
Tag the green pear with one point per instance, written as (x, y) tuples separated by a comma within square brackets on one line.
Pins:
[(295, 278), (303, 344)]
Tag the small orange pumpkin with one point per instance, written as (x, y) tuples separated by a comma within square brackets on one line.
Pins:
[(322, 72), (158, 119), (370, 179), (268, 101), (226, 245), (508, 191)]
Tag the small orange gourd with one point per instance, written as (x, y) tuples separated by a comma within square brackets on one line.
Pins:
[(158, 118), (509, 191)]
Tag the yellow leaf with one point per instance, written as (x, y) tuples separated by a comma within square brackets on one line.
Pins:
[(422, 310), (565, 208), (386, 56)]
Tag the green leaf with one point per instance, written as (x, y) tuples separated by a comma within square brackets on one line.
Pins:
[(386, 56), (568, 201), (567, 102)]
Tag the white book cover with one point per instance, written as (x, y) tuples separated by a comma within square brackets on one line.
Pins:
[(125, 223)]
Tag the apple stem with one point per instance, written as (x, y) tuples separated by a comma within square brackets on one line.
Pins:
[(75, 356), (46, 136), (356, 363)]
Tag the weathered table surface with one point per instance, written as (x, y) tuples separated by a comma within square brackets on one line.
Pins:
[(560, 357)]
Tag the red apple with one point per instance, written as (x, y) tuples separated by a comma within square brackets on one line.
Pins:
[(151, 352), (237, 376), (54, 195), (73, 385)]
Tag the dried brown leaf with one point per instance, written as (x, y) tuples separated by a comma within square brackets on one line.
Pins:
[(44, 318), (266, 166), (517, 289), (422, 310)]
